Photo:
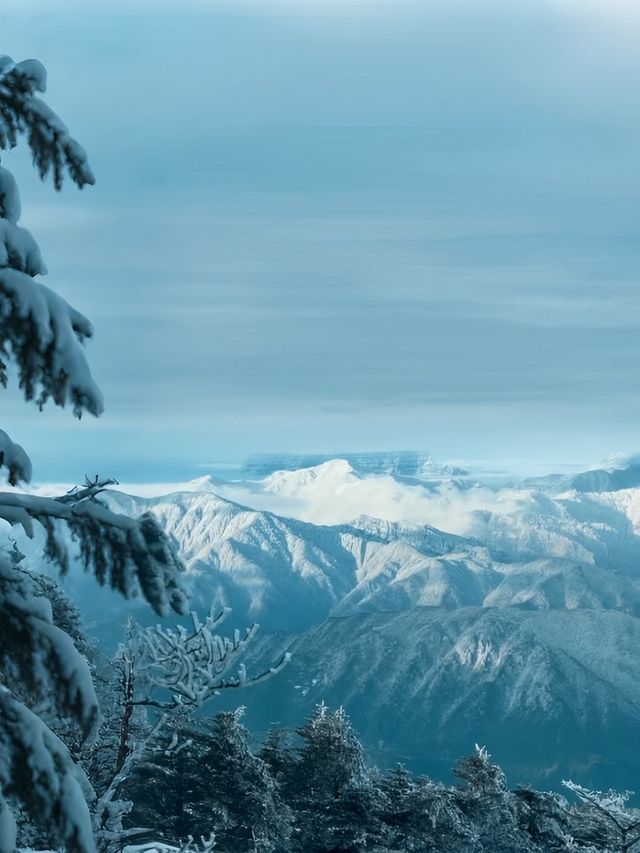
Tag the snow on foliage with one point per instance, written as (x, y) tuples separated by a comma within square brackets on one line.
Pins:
[(35, 763), (130, 554), (42, 336), (22, 113), (14, 458), (195, 666), (621, 824)]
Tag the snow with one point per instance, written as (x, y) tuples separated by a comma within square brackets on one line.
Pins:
[(9, 197), (150, 847), (34, 71), (58, 786), (523, 547), (8, 828), (19, 250), (56, 360), (14, 458)]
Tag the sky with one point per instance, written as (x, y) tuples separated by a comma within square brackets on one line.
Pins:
[(327, 226)]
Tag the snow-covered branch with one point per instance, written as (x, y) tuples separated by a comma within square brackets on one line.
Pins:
[(35, 764), (22, 112), (37, 654), (612, 806), (129, 554), (43, 335), (193, 666), (14, 459), (204, 846), (107, 813)]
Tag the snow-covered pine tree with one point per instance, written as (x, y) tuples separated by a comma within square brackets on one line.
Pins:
[(169, 787), (423, 815), (489, 805), (330, 788), (41, 338), (277, 753), (250, 814)]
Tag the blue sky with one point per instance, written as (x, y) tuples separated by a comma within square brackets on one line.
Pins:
[(358, 225)]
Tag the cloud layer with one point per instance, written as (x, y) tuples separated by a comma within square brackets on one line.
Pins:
[(368, 230)]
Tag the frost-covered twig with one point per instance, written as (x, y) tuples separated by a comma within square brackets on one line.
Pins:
[(205, 845), (102, 809), (91, 489), (612, 805), (197, 665)]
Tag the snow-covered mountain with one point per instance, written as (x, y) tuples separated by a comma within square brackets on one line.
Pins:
[(468, 612), (552, 694), (545, 553), (402, 463)]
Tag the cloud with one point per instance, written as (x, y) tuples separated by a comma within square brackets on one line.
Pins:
[(320, 235)]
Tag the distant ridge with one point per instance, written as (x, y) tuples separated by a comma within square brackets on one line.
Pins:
[(399, 463)]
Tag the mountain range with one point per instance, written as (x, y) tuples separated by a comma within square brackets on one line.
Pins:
[(516, 625)]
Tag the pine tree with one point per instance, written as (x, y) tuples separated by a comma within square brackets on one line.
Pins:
[(251, 815), (276, 752), (170, 788), (422, 815), (331, 757), (42, 337), (489, 805), (330, 789)]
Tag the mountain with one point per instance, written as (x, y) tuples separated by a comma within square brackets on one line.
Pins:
[(288, 574), (602, 480), (511, 621), (612, 478), (403, 463), (552, 694), (573, 552)]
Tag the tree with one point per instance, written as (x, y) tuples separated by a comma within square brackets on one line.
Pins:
[(487, 802), (612, 822), (172, 672), (249, 812), (330, 788), (169, 788), (276, 752), (42, 337), (423, 815)]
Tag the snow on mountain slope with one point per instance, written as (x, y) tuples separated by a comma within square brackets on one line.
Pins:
[(511, 623), (337, 474), (570, 552), (550, 693), (280, 572), (402, 463), (523, 547), (289, 574)]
